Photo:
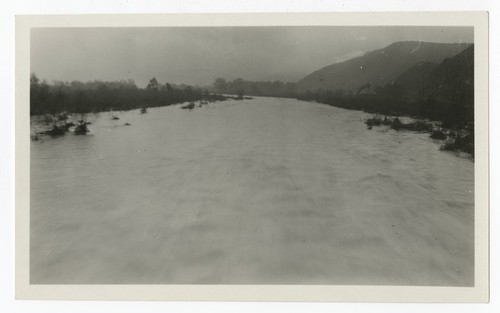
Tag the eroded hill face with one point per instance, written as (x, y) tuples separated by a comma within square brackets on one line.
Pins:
[(378, 67)]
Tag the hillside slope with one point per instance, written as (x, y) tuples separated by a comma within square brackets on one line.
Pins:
[(378, 67), (442, 89)]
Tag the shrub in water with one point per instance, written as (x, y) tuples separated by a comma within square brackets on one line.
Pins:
[(396, 124), (386, 121), (460, 143), (375, 121), (438, 134), (56, 131), (81, 128)]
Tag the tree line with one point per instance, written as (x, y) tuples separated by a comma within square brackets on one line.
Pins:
[(451, 103), (98, 96), (242, 87), (454, 109)]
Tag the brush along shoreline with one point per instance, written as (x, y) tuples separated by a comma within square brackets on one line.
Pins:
[(61, 123), (455, 139)]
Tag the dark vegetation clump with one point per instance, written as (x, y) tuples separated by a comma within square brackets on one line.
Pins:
[(81, 128), (464, 143), (386, 121), (374, 121), (417, 126), (58, 125), (438, 134), (458, 140), (68, 125), (240, 87), (396, 124), (55, 131)]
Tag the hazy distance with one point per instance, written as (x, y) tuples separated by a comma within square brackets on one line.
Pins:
[(197, 55)]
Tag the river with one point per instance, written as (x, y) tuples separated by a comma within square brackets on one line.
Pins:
[(260, 191)]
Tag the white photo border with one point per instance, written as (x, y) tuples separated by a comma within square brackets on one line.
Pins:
[(343, 293)]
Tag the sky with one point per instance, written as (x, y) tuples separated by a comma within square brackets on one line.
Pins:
[(198, 55)]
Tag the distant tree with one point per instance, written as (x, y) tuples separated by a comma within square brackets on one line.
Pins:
[(152, 85), (81, 107), (237, 83), (253, 88), (220, 84), (34, 92), (131, 83), (43, 98), (77, 85), (81, 103), (34, 80)]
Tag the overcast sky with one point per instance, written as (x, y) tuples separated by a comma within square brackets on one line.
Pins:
[(199, 55)]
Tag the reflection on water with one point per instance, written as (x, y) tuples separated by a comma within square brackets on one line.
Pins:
[(262, 191)]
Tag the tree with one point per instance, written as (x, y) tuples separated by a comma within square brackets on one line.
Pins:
[(152, 85), (81, 107), (220, 84), (34, 80), (34, 92)]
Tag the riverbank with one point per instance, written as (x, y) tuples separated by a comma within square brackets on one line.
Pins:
[(453, 118), (61, 123), (457, 139), (100, 96)]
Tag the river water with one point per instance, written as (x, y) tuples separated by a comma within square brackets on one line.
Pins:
[(261, 191)]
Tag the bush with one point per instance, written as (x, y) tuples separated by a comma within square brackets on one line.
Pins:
[(460, 143), (56, 131), (81, 128), (387, 121), (438, 134), (375, 121), (396, 124)]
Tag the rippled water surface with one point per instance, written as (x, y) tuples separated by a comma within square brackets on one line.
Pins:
[(262, 191)]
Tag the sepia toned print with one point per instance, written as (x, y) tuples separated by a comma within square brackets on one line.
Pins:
[(293, 155)]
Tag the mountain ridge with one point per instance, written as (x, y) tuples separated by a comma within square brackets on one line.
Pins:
[(378, 67)]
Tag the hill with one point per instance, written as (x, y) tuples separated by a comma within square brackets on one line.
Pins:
[(453, 80), (445, 89), (378, 67), (416, 80)]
